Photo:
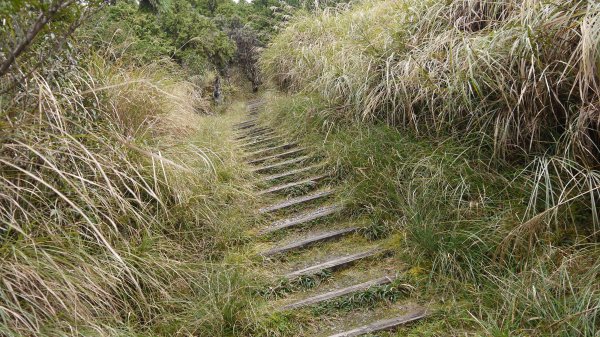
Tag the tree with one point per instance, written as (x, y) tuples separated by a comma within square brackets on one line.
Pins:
[(25, 21), (247, 52)]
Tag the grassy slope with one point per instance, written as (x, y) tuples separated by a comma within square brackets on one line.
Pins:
[(522, 73), (488, 178), (118, 204), (457, 218)]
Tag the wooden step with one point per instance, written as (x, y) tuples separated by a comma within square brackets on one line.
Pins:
[(252, 137), (385, 324), (335, 263), (261, 140), (302, 218), (310, 241), (253, 133), (288, 173), (339, 293), (241, 127), (252, 128), (255, 138), (278, 155), (295, 201), (278, 188), (281, 164), (271, 149)]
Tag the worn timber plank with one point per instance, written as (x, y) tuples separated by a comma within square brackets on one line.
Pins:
[(253, 133), (281, 164), (302, 218), (338, 293), (271, 149), (259, 140), (322, 237), (278, 188), (278, 155), (334, 263), (245, 126), (296, 201), (288, 173), (383, 325)]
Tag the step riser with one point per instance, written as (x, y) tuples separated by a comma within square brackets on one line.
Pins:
[(296, 201), (288, 173), (310, 242), (252, 129), (262, 142), (280, 165), (245, 125), (384, 325), (277, 156), (267, 139), (335, 264), (338, 293), (249, 128), (302, 219), (280, 188), (270, 149), (254, 133)]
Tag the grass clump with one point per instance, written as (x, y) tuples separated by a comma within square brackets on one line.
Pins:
[(521, 74)]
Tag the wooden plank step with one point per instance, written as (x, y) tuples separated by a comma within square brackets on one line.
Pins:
[(311, 180), (253, 136), (256, 137), (310, 241), (253, 132), (277, 155), (244, 125), (252, 128), (296, 201), (338, 293), (246, 122), (288, 173), (302, 218), (272, 148), (281, 164), (385, 324), (335, 263), (259, 140)]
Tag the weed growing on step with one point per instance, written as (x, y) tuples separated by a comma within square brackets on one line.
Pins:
[(369, 298), (286, 286)]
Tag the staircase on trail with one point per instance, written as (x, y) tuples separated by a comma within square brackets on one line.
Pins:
[(306, 228)]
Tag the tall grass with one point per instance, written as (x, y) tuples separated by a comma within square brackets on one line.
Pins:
[(496, 248), (521, 72), (110, 204), (507, 219)]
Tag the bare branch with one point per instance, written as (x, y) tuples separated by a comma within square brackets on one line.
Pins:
[(41, 21)]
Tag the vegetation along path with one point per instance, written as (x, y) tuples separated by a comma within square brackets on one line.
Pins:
[(321, 261)]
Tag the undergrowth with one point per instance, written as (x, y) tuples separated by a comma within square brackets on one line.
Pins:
[(484, 235), (522, 75), (118, 203)]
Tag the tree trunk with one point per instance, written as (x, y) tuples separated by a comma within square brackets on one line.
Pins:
[(217, 94)]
